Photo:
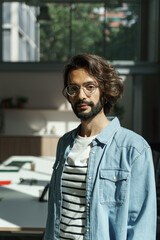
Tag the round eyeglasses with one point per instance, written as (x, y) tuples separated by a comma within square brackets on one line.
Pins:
[(73, 90)]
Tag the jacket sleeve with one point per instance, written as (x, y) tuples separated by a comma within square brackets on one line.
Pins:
[(142, 200)]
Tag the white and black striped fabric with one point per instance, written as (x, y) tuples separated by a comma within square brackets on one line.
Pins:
[(72, 226)]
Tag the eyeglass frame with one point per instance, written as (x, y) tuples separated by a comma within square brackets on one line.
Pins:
[(83, 87)]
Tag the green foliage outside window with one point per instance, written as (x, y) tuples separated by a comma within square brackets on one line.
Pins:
[(76, 28)]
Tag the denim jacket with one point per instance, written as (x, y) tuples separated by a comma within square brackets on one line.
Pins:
[(120, 187)]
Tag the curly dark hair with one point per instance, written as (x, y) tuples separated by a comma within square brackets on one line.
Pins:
[(109, 81)]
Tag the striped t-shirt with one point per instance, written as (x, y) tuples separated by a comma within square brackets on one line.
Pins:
[(73, 215)]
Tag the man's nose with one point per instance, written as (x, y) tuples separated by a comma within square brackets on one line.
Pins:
[(82, 93)]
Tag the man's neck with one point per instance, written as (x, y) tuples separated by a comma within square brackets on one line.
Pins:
[(94, 126)]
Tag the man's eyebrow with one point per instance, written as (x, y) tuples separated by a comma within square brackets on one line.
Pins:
[(88, 82), (73, 84)]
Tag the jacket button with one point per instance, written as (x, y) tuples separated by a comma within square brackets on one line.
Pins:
[(90, 178), (87, 230)]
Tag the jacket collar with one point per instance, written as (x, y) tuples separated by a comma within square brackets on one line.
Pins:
[(107, 132)]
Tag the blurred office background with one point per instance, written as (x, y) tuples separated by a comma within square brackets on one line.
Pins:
[(38, 37)]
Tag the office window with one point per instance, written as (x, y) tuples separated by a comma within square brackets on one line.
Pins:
[(28, 51), (87, 28), (6, 14), (6, 45), (122, 32), (22, 48), (21, 16), (57, 31)]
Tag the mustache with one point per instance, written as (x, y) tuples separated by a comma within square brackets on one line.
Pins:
[(85, 102)]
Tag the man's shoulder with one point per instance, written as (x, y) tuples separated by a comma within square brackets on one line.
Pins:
[(130, 139)]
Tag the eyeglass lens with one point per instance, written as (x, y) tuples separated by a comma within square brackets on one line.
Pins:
[(73, 90)]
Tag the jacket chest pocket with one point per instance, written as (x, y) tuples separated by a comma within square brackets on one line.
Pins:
[(113, 186)]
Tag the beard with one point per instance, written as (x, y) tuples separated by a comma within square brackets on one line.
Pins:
[(95, 109)]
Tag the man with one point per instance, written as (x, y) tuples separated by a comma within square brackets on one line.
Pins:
[(102, 187)]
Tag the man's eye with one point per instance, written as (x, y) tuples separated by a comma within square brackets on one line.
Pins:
[(73, 88), (90, 87)]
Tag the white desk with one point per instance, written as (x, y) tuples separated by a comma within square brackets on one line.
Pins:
[(20, 209)]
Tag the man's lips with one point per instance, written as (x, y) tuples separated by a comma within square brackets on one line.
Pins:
[(82, 106)]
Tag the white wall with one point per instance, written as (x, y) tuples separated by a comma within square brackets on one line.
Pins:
[(39, 122), (42, 89)]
